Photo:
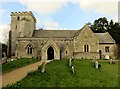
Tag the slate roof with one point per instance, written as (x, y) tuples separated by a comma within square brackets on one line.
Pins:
[(105, 38), (54, 33), (102, 37)]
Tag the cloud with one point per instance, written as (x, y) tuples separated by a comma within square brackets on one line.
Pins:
[(108, 8), (48, 7), (104, 7), (50, 24), (44, 7), (4, 31)]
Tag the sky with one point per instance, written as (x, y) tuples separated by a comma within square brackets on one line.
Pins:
[(58, 14)]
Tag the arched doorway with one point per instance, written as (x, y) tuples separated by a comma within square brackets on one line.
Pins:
[(50, 53)]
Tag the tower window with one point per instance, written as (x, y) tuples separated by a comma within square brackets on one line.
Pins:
[(16, 26), (18, 18), (66, 52), (107, 49), (86, 48), (29, 49)]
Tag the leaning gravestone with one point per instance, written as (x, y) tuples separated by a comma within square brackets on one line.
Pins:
[(43, 67)]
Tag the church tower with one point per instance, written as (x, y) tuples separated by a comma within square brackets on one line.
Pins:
[(22, 25)]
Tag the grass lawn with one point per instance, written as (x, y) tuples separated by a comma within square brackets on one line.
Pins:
[(9, 66), (58, 74)]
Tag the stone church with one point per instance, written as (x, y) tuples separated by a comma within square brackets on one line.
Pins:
[(26, 41)]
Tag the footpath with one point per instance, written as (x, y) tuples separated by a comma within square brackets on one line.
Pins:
[(18, 74)]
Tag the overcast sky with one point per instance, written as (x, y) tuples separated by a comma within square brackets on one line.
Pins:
[(58, 14)]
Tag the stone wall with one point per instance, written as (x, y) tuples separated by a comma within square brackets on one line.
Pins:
[(86, 36), (22, 25), (66, 47), (40, 46), (88, 55), (113, 50), (21, 49)]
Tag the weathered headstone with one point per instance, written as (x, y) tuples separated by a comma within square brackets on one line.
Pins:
[(18, 57), (43, 67), (4, 59), (70, 62), (111, 61), (96, 64), (73, 70), (107, 57)]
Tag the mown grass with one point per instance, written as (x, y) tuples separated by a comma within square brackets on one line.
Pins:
[(58, 74), (9, 66)]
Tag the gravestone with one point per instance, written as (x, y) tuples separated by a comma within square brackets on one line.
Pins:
[(107, 57), (18, 57), (70, 62), (96, 64), (43, 67), (110, 61), (4, 59), (73, 70)]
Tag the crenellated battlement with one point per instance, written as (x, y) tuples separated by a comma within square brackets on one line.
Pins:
[(22, 13)]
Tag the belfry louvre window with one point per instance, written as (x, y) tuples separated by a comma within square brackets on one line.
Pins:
[(29, 49), (106, 48), (86, 48)]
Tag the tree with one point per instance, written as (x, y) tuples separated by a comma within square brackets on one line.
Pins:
[(102, 25), (4, 49)]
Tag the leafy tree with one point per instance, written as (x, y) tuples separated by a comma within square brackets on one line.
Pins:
[(102, 25)]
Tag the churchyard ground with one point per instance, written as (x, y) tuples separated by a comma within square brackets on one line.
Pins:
[(58, 74), (12, 65)]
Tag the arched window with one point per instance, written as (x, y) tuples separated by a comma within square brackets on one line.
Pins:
[(86, 48), (29, 49)]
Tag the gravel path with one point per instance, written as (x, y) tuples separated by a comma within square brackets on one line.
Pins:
[(18, 74)]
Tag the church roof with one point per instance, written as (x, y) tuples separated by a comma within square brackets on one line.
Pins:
[(102, 37), (54, 33), (105, 38)]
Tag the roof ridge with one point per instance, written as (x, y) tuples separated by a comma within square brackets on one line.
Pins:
[(56, 30)]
